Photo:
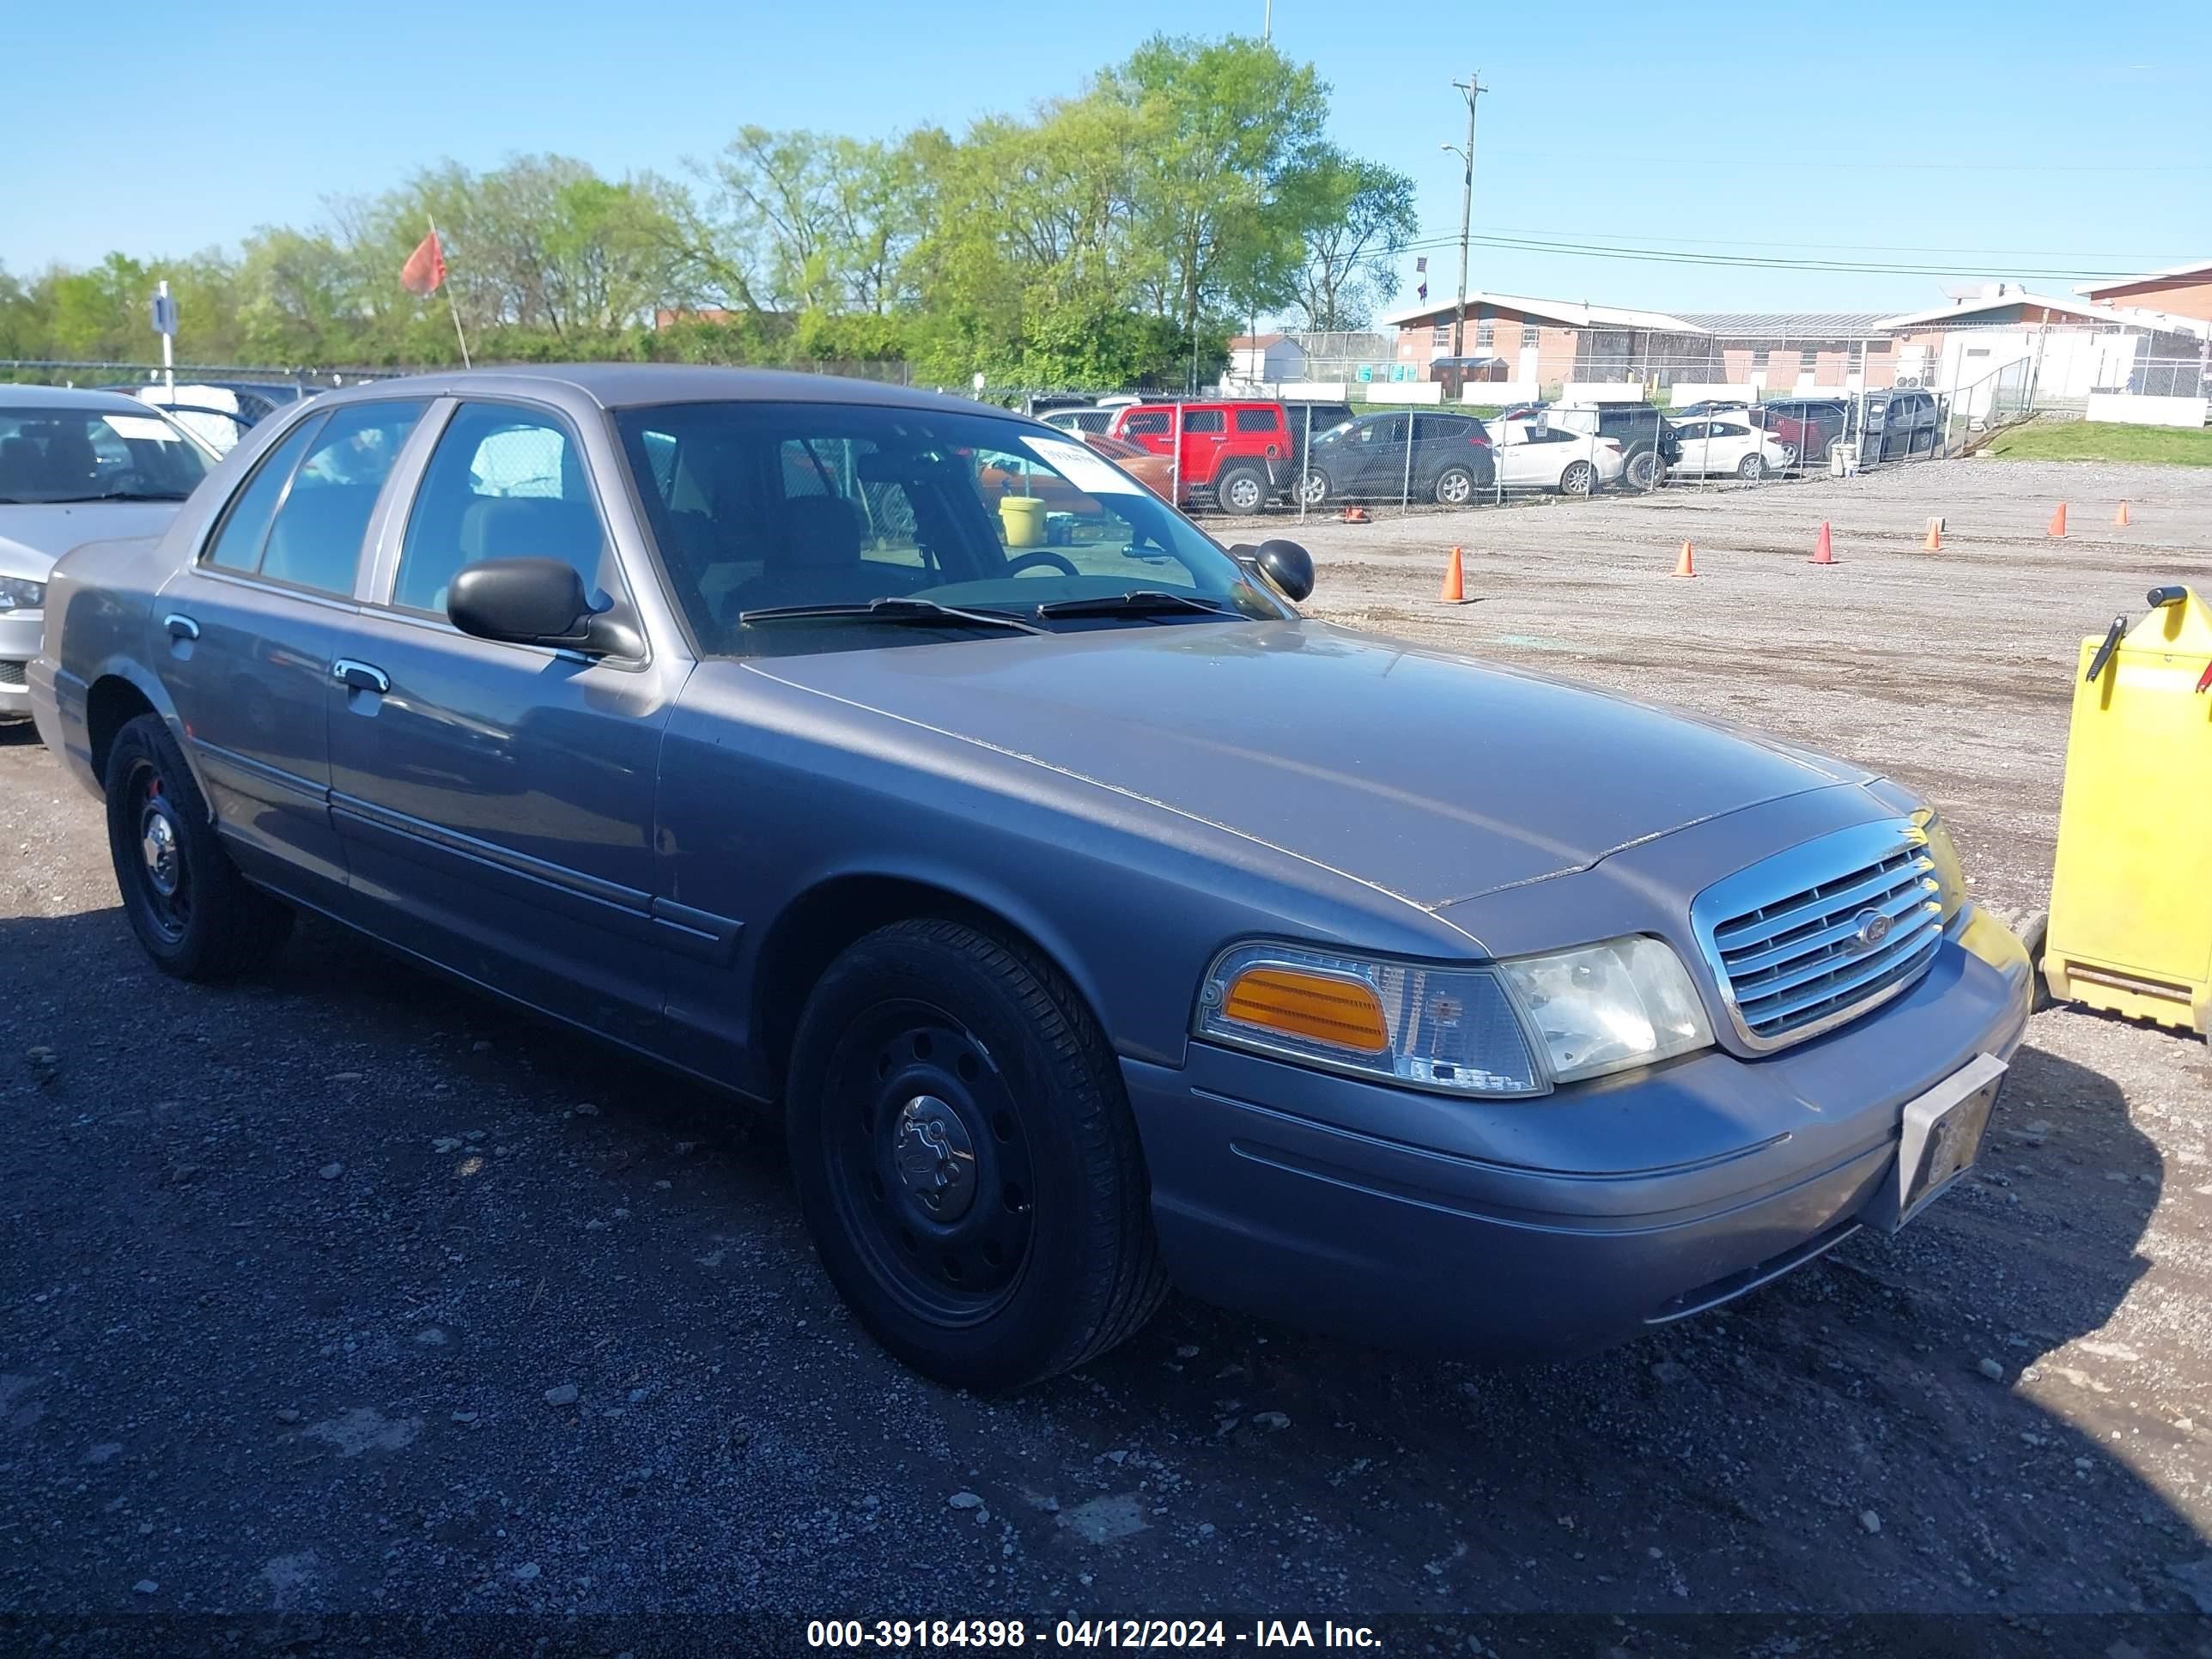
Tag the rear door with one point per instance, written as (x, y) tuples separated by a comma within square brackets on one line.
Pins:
[(495, 801), (251, 629), (1205, 439)]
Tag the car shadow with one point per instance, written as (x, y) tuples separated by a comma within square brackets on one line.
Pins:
[(18, 734), (233, 1181)]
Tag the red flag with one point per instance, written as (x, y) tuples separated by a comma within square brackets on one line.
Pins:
[(425, 268)]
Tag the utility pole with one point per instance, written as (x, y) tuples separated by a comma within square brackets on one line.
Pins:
[(1471, 88)]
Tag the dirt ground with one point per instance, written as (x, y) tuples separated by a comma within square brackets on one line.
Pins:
[(337, 1291)]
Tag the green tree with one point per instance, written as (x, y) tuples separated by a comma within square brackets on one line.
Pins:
[(1353, 219)]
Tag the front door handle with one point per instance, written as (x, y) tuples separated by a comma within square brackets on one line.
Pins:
[(359, 676), (181, 626)]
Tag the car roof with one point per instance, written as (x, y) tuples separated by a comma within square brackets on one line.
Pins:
[(623, 385), (70, 397)]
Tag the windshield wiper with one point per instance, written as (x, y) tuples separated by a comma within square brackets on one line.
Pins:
[(1137, 602), (119, 495), (892, 609)]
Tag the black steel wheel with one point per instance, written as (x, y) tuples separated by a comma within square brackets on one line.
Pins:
[(965, 1158), (196, 916)]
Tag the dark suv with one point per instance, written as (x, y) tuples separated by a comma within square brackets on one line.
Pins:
[(1646, 437), (1419, 456)]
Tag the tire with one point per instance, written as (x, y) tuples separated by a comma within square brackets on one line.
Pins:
[(965, 1158), (195, 915), (1242, 490), (1789, 455), (1576, 480), (1752, 468), (1316, 489), (1643, 471), (1455, 487)]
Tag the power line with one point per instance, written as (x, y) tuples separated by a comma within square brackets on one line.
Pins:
[(1749, 262), (2168, 257)]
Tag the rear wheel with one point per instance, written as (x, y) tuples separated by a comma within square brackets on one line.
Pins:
[(192, 912), (1242, 490), (1642, 470), (1455, 486), (1576, 480), (966, 1160)]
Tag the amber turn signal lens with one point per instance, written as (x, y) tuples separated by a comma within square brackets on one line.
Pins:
[(1316, 1007)]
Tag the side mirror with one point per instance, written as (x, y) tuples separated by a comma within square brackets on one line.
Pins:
[(1288, 567), (536, 602)]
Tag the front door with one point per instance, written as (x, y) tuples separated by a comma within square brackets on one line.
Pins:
[(250, 629), (495, 801)]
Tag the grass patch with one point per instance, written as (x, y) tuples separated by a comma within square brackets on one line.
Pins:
[(2102, 440)]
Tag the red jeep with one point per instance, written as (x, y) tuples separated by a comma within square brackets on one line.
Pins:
[(1235, 456)]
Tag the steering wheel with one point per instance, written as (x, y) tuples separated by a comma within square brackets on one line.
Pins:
[(1031, 560), (115, 483)]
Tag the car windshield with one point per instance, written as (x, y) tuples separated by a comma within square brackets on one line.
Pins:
[(55, 453), (766, 508)]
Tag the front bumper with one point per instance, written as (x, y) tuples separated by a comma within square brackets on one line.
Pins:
[(19, 643), (1548, 1228)]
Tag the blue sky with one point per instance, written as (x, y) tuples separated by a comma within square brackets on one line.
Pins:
[(2004, 137)]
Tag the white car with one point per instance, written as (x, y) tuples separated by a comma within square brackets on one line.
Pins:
[(75, 467), (1537, 455), (1079, 420), (1727, 444)]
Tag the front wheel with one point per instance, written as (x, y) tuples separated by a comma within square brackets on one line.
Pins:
[(1314, 489), (1751, 469), (1576, 480), (1242, 490), (965, 1158), (195, 915)]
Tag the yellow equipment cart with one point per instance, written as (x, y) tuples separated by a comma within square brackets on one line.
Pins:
[(2131, 896)]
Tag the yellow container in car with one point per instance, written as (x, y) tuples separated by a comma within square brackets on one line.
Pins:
[(1023, 518), (2131, 896)]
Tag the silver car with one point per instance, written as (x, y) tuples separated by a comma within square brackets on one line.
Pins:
[(76, 466), (1094, 921)]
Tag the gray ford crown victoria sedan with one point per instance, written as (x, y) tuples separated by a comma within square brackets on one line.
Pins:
[(1097, 922)]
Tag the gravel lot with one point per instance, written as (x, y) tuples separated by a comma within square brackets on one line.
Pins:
[(341, 1291)]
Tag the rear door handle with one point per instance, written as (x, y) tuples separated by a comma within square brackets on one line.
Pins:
[(359, 676), (181, 626)]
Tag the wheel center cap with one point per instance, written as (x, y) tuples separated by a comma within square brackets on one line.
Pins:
[(157, 845), (936, 1160)]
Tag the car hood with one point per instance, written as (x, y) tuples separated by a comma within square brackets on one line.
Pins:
[(1433, 776), (34, 535)]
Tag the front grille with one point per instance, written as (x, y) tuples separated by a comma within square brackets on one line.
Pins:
[(1804, 941), (11, 676)]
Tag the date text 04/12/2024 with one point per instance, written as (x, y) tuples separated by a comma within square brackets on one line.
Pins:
[(988, 1635)]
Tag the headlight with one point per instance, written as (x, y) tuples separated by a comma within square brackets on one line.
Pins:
[(1512, 1029), (1605, 1007), (16, 594), (1451, 1029)]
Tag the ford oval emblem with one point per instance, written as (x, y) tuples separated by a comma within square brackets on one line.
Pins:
[(1873, 928)]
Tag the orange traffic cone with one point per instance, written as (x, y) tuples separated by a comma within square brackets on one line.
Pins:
[(1823, 553), (1935, 542), (1455, 588), (1355, 515), (1686, 565), (2120, 517), (2058, 521)]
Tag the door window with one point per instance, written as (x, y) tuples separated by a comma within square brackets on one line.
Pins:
[(503, 482), (1152, 421), (1255, 420), (1203, 420), (237, 545), (315, 538)]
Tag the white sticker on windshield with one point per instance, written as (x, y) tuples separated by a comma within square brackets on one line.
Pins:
[(1083, 469), (152, 427)]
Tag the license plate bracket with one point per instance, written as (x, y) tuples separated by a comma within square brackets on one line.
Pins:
[(1940, 1138)]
